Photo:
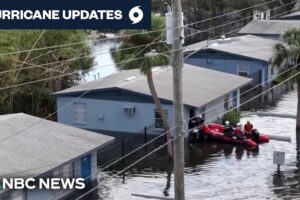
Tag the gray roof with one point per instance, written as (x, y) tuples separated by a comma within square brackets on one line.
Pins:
[(246, 45), (41, 144), (269, 27), (293, 15), (200, 85)]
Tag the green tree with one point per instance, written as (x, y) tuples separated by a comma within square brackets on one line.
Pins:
[(146, 64), (36, 98), (288, 55)]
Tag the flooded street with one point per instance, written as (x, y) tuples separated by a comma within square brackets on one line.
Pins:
[(218, 171)]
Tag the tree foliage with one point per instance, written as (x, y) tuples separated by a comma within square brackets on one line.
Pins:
[(26, 66), (287, 55), (136, 58)]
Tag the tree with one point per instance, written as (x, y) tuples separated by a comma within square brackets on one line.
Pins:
[(287, 55), (36, 98), (147, 63)]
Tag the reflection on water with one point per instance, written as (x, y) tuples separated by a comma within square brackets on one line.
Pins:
[(222, 171), (104, 64)]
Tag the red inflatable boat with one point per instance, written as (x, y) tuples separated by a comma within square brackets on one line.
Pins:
[(261, 139), (216, 132)]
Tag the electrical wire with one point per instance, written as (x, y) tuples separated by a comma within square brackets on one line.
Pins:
[(105, 52), (160, 147), (193, 117), (145, 32)]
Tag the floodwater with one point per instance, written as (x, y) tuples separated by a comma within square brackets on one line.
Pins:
[(104, 64), (219, 171)]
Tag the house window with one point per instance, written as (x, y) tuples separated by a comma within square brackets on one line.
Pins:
[(65, 171), (243, 70), (226, 102), (235, 99), (80, 113), (272, 71), (158, 119)]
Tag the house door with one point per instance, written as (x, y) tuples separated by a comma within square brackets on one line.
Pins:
[(86, 168)]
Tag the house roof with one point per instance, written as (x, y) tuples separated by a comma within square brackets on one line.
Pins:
[(246, 45), (269, 27), (31, 146), (293, 15), (201, 85)]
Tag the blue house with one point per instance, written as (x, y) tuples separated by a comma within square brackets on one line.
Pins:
[(39, 148), (247, 56), (122, 102)]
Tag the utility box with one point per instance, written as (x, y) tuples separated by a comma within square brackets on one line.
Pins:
[(279, 157), (170, 28)]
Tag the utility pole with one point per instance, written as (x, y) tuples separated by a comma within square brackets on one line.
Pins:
[(177, 62)]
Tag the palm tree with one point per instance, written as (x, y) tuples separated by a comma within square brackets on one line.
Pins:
[(153, 42), (287, 55)]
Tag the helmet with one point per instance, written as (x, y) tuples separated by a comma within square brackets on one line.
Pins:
[(227, 123), (248, 122), (239, 124)]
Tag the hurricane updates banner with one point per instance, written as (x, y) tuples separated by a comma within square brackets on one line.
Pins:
[(75, 14)]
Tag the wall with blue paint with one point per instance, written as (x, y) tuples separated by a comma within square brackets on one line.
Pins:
[(107, 115), (229, 63), (77, 172)]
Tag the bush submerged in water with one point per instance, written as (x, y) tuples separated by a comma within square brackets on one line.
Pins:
[(232, 115)]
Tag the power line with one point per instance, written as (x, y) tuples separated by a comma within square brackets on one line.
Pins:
[(146, 32), (75, 99), (124, 49), (73, 73), (78, 58), (232, 22), (171, 129), (160, 147), (142, 146), (139, 160)]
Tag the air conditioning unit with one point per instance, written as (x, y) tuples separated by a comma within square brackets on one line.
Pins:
[(129, 110)]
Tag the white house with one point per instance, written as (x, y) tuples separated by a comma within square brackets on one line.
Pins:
[(37, 148), (123, 102)]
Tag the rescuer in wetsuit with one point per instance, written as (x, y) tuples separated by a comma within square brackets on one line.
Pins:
[(239, 131), (196, 121), (228, 130), (248, 128)]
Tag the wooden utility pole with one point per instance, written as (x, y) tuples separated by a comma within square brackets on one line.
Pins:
[(177, 62)]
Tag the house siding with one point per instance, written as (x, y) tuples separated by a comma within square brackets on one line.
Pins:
[(107, 115), (50, 194), (224, 62)]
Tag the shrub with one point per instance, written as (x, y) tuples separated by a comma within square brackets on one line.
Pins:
[(233, 116)]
